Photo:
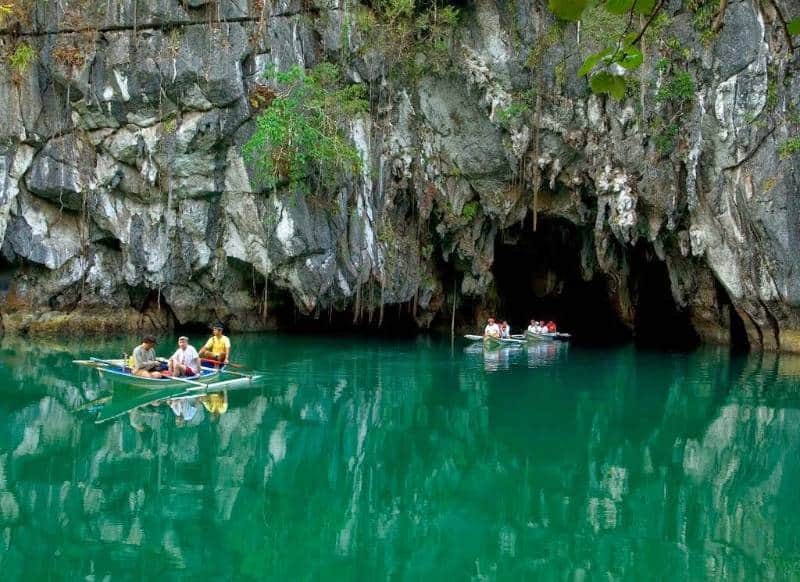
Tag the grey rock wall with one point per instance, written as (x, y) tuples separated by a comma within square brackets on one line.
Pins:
[(123, 185)]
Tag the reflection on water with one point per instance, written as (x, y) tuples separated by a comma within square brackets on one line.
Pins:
[(374, 460), (534, 355)]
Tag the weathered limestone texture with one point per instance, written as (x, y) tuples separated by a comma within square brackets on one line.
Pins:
[(124, 190)]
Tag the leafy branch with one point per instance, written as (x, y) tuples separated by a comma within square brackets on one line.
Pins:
[(603, 67)]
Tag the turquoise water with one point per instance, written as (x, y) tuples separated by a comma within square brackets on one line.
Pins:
[(367, 459)]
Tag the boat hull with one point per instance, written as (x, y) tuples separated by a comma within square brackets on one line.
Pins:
[(114, 372), (540, 337)]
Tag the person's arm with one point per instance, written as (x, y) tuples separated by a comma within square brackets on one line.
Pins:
[(205, 348), (139, 361), (226, 357)]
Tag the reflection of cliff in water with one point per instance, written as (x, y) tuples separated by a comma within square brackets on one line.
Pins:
[(372, 461)]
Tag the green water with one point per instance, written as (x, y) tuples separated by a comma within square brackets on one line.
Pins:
[(408, 460)]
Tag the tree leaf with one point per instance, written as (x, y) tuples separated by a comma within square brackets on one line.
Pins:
[(592, 61), (589, 64), (614, 85), (568, 9), (619, 6), (793, 26), (630, 57)]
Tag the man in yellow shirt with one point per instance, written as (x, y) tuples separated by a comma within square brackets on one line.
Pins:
[(218, 346)]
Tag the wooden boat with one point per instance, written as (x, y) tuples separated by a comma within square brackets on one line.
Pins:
[(209, 378), (547, 337), (491, 342)]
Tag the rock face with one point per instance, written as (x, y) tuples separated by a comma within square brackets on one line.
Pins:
[(123, 185)]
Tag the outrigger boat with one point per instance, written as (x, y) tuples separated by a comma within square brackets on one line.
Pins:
[(491, 342), (544, 337), (209, 378)]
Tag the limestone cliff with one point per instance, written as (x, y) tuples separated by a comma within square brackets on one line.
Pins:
[(126, 202)]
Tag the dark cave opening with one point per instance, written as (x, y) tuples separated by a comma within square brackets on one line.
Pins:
[(7, 271), (538, 276), (738, 339), (658, 322)]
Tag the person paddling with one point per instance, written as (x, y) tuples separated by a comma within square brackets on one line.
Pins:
[(144, 359), (218, 346), (185, 361)]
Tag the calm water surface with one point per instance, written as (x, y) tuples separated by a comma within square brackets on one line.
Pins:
[(408, 460)]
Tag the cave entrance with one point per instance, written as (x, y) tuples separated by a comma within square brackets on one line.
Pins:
[(7, 270), (538, 275), (658, 321), (738, 333)]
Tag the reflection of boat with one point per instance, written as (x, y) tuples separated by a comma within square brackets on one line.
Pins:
[(127, 398), (542, 354)]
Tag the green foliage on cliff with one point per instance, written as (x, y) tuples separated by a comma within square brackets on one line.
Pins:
[(22, 58), (789, 148), (470, 210), (679, 89), (793, 26), (414, 37), (300, 137), (704, 14)]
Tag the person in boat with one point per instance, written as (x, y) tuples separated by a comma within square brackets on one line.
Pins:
[(551, 326), (505, 329), (144, 362), (218, 346), (534, 326), (185, 361), (491, 329)]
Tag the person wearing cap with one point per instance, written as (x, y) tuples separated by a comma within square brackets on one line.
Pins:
[(185, 361), (218, 346), (492, 329), (144, 359)]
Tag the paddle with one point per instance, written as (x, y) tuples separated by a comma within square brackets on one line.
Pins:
[(215, 363)]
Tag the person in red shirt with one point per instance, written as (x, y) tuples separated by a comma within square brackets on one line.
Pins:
[(551, 326)]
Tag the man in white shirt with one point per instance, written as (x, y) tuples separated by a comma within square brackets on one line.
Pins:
[(492, 329), (185, 361)]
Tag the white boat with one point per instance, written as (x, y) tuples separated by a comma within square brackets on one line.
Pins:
[(491, 342), (546, 336), (209, 378)]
